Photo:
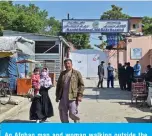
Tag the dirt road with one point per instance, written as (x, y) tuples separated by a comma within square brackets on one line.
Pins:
[(98, 105)]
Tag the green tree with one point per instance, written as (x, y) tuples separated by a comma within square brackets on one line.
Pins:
[(22, 18), (1, 30), (53, 27), (114, 13), (30, 19), (7, 14), (34, 20), (81, 41), (147, 22), (103, 45)]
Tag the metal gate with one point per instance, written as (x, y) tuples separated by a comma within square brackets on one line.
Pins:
[(87, 61), (87, 64)]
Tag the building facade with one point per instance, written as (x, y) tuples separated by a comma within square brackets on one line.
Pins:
[(50, 51), (135, 24), (138, 49), (135, 47)]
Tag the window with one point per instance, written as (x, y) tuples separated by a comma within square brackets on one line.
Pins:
[(42, 46), (135, 26)]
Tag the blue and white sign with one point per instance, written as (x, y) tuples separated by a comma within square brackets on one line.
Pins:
[(136, 53), (95, 26), (112, 40)]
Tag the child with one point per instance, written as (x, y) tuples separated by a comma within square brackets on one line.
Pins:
[(36, 81)]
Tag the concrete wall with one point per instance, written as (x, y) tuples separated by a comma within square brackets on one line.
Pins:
[(150, 56), (112, 57), (144, 42)]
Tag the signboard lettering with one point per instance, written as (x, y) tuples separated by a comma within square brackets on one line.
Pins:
[(94, 26)]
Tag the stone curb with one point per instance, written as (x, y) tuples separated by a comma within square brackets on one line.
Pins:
[(13, 110)]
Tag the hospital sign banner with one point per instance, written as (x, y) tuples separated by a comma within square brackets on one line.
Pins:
[(94, 26)]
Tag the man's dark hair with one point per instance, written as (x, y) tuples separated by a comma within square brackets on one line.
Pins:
[(128, 63), (65, 61), (137, 62), (149, 66), (119, 64), (36, 70)]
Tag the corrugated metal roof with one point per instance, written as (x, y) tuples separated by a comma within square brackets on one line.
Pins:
[(35, 36)]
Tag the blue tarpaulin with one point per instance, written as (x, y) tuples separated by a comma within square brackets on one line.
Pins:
[(13, 49), (9, 68), (4, 64)]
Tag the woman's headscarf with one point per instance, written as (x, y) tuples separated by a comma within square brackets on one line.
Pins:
[(45, 79)]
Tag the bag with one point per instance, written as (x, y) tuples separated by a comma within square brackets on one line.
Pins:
[(30, 93)]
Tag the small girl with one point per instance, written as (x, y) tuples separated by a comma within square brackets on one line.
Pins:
[(36, 81)]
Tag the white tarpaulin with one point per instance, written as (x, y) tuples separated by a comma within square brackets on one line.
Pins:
[(17, 43), (87, 61)]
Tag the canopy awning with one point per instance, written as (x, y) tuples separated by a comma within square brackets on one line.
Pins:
[(4, 54), (27, 61), (18, 43)]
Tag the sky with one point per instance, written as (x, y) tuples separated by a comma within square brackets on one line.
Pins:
[(91, 10)]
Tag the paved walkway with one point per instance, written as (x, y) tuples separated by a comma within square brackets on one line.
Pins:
[(98, 105)]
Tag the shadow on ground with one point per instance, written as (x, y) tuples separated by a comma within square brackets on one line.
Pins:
[(108, 94), (140, 106), (17, 121), (146, 119), (90, 88), (119, 96)]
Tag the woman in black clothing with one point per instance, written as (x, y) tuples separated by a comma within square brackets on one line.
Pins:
[(36, 109), (41, 107), (46, 83)]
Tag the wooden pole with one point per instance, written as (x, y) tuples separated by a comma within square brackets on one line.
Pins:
[(25, 71)]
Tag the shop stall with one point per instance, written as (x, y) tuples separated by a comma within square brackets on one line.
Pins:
[(13, 49), (24, 83)]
